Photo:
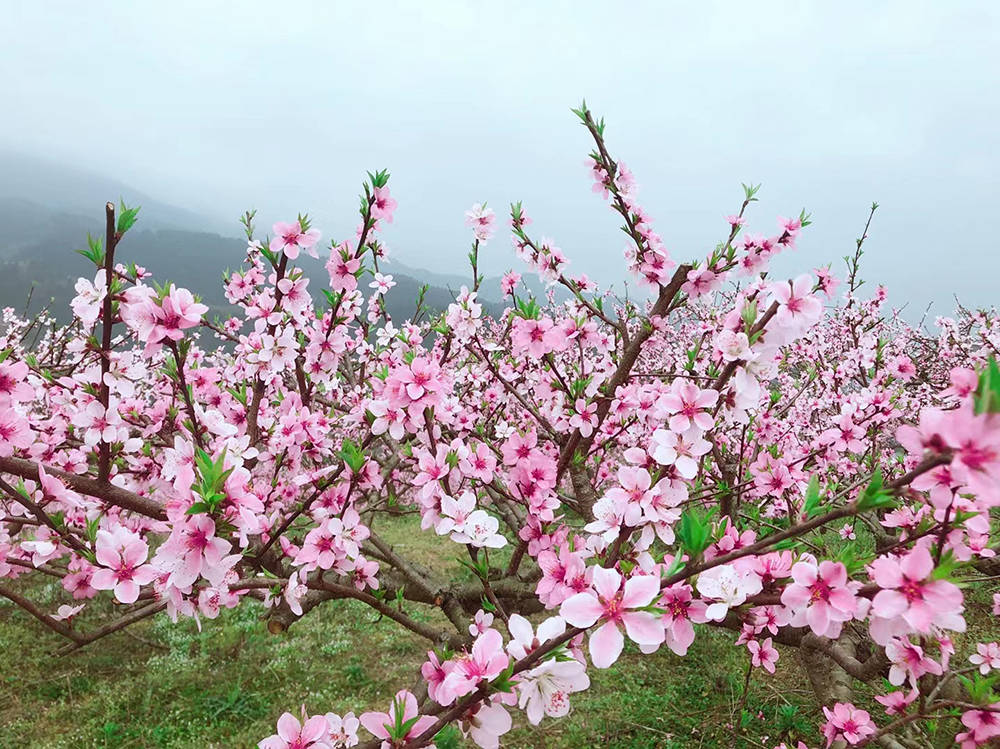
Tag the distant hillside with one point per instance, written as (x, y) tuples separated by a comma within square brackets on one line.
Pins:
[(47, 209), (63, 189), (36, 253)]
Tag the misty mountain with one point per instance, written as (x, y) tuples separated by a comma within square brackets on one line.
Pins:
[(37, 259), (57, 190)]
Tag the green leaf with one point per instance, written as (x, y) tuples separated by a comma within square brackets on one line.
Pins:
[(811, 506), (876, 496), (979, 687), (95, 250), (352, 455), (987, 397), (695, 530), (198, 507), (504, 682), (849, 557), (945, 567), (126, 217)]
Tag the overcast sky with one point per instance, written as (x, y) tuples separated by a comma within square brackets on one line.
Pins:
[(283, 106)]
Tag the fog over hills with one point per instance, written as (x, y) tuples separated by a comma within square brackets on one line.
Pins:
[(47, 211), (62, 189)]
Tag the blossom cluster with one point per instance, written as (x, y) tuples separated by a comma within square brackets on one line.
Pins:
[(736, 451)]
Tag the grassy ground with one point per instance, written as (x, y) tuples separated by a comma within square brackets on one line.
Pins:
[(167, 685)]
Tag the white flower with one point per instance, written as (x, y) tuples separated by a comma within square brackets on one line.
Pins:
[(87, 302), (733, 345), (479, 530), (727, 588), (545, 690), (381, 284)]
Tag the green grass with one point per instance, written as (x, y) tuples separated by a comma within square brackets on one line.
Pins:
[(168, 685), (226, 685)]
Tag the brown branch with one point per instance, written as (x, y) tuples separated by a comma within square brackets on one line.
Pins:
[(128, 620), (104, 391), (107, 492), (36, 612), (44, 518)]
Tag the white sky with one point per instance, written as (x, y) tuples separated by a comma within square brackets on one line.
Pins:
[(284, 105)]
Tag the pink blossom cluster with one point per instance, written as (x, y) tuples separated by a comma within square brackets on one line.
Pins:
[(738, 452)]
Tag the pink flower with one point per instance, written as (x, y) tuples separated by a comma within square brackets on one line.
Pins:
[(392, 727), (524, 639), (177, 311), (343, 731), (342, 268), (845, 436), (681, 451), (797, 306), (321, 549), (987, 657), (536, 337), (434, 673), (584, 417), (823, 594), (101, 425), (976, 441), (690, 405), (908, 594), (518, 447), (897, 702), (12, 382), (482, 622), (290, 239), (699, 281), (212, 600), (845, 722), (391, 420), (679, 611), (983, 726), (563, 574), (420, 382), (15, 431), (365, 573), (294, 735), (66, 613), (763, 654), (193, 550), (615, 605), (484, 662), (908, 659), (295, 591), (382, 283), (963, 382), (124, 570), (383, 205), (509, 282), (480, 463), (545, 690), (482, 220)]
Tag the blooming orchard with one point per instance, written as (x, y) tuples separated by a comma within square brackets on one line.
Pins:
[(765, 456)]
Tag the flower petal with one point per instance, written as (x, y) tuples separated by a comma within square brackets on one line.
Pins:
[(606, 645), (581, 610)]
